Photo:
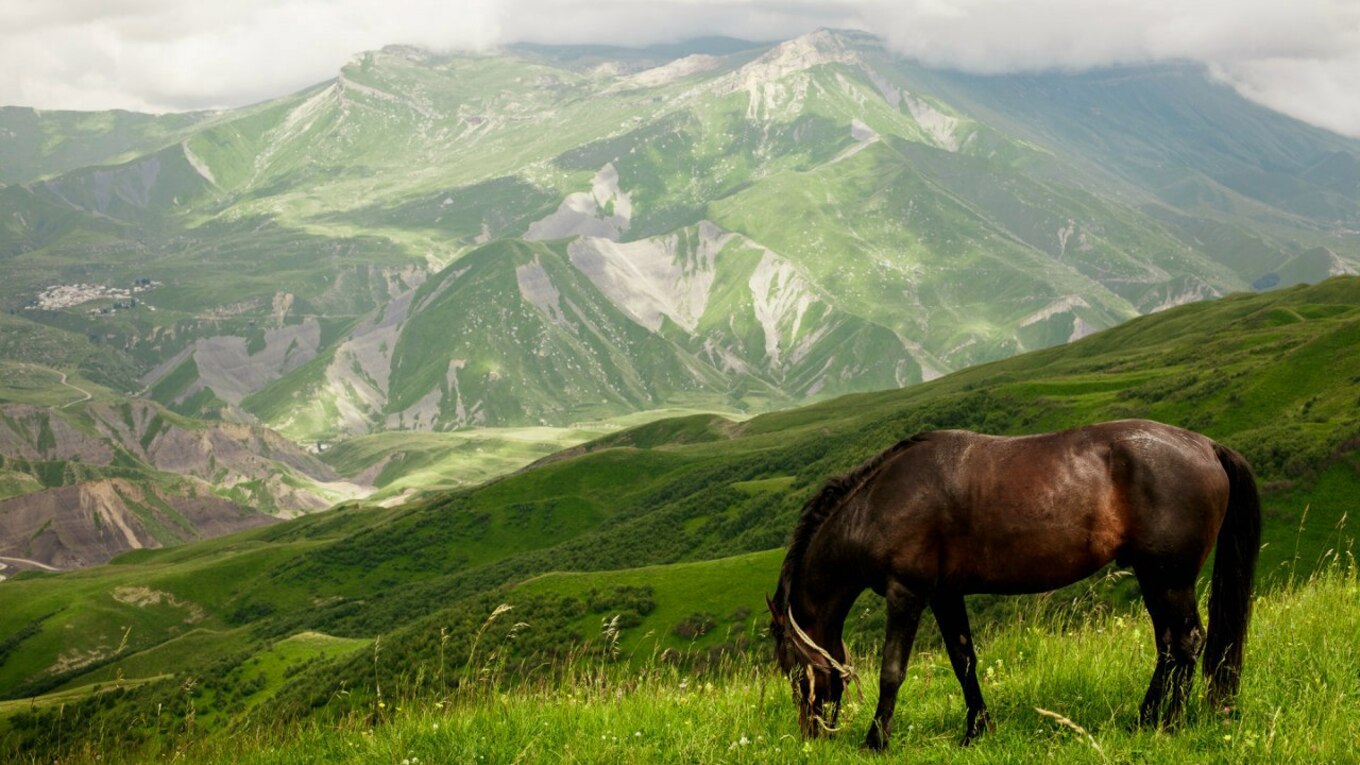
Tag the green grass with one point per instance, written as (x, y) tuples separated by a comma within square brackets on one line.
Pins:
[(728, 589), (636, 516), (1296, 705), (408, 462)]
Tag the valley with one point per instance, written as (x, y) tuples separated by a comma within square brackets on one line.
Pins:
[(535, 237), (667, 524), (480, 381)]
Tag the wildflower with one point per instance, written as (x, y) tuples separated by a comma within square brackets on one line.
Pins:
[(637, 734), (744, 741), (436, 726)]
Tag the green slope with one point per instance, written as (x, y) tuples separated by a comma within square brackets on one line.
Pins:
[(936, 219), (41, 143), (1092, 671), (1272, 375)]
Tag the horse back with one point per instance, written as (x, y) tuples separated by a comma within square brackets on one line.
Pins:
[(982, 513)]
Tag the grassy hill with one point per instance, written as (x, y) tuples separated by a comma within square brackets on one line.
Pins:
[(1088, 666), (1273, 375)]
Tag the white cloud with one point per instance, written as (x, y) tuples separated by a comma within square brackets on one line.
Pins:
[(1302, 57)]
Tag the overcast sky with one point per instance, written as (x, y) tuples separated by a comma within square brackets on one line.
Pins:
[(1299, 56)]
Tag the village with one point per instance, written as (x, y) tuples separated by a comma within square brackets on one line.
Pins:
[(62, 296)]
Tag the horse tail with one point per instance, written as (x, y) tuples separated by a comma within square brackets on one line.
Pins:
[(1239, 541)]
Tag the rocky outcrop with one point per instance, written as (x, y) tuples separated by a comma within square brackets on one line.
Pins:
[(129, 475), (89, 523)]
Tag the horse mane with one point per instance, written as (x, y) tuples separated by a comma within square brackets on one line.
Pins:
[(822, 504)]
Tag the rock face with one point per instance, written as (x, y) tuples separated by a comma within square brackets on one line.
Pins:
[(118, 477), (89, 523)]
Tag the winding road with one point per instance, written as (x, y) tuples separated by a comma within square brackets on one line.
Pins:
[(86, 393)]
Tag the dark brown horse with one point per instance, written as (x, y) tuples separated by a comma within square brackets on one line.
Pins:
[(949, 513)]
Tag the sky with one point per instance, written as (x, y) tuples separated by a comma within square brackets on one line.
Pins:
[(1301, 57)]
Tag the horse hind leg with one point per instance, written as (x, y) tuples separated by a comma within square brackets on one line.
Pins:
[(952, 617), (1180, 638), (1187, 640)]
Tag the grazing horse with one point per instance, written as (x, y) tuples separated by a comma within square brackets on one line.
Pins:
[(950, 513)]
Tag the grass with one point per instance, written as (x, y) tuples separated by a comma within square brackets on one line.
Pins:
[(728, 589), (644, 507), (419, 461), (1297, 705)]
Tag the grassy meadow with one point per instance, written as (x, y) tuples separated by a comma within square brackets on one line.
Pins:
[(660, 540), (1062, 689)]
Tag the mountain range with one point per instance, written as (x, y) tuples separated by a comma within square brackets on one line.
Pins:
[(550, 236)]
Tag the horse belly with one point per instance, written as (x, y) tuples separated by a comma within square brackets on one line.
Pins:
[(1034, 561)]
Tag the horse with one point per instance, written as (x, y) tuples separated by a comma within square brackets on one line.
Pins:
[(950, 513)]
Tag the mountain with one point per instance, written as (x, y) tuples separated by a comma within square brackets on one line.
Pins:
[(545, 235), (322, 616), (80, 486)]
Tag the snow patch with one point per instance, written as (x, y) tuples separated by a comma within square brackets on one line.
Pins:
[(1064, 234), (1192, 294)]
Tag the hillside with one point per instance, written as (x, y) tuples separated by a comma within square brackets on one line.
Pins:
[(1272, 375), (97, 475), (546, 235), (1092, 669), (540, 238)]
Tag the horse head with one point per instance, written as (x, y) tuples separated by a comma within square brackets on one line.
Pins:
[(818, 679)]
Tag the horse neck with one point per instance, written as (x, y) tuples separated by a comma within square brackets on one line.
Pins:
[(825, 587)]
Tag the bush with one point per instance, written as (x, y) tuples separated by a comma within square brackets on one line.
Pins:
[(696, 625)]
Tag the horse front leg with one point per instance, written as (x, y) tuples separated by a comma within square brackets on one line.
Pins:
[(952, 616), (904, 615)]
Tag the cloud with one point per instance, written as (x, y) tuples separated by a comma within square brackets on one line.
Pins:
[(1301, 57)]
